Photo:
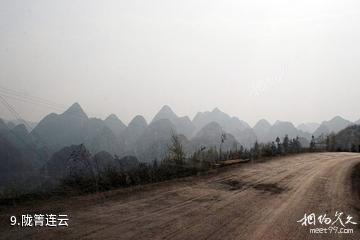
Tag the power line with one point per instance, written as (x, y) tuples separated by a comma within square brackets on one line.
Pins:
[(31, 97), (14, 112), (18, 116), (26, 98)]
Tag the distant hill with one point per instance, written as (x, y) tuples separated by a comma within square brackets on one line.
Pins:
[(183, 125), (348, 139), (62, 129), (334, 125), (226, 122), (165, 113), (154, 142), (106, 140), (210, 137), (115, 124), (308, 127), (13, 164), (58, 165), (133, 132), (77, 158), (261, 129), (20, 139), (280, 129), (20, 158), (147, 142), (246, 137), (267, 133), (232, 125), (110, 142), (10, 125), (72, 127), (28, 124)]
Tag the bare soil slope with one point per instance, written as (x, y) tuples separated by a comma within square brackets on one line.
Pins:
[(251, 201)]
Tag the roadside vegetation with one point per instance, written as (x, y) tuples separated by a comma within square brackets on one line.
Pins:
[(89, 177)]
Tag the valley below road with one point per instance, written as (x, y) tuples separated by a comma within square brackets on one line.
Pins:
[(246, 201)]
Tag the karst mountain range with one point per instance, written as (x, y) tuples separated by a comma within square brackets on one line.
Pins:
[(149, 141)]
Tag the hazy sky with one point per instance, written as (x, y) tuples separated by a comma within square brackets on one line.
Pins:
[(288, 60)]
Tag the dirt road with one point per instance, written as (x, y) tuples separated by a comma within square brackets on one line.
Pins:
[(251, 201)]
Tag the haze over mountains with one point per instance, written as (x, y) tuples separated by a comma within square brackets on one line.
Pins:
[(56, 134), (308, 127), (139, 138), (334, 125)]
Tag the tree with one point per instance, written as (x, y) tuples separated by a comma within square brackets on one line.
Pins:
[(256, 150), (312, 143), (277, 140), (222, 138), (278, 145), (176, 151), (297, 144), (266, 150), (286, 144), (241, 151), (273, 149)]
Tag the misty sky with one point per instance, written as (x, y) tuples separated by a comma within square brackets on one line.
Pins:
[(288, 60)]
